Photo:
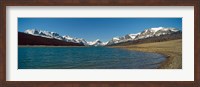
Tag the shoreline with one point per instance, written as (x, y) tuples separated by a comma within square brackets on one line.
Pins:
[(47, 46), (171, 50)]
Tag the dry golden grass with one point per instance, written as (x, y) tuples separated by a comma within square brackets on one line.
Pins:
[(171, 49)]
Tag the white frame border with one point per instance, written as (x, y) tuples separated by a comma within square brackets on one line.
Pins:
[(184, 74)]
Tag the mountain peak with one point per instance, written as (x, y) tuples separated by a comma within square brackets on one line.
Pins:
[(97, 42), (31, 31), (157, 29), (163, 29)]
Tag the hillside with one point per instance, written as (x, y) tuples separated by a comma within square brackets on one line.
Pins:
[(27, 39)]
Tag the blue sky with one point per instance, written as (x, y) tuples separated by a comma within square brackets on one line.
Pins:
[(96, 28)]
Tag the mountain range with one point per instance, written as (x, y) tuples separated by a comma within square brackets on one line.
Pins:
[(147, 33), (28, 39), (66, 38)]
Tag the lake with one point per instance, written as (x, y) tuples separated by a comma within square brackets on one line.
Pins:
[(86, 58)]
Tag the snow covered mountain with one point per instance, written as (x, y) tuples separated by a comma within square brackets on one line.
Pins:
[(66, 38), (152, 32), (125, 38), (155, 32), (75, 40), (46, 34), (97, 43)]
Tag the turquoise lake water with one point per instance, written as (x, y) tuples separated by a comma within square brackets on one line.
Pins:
[(86, 58)]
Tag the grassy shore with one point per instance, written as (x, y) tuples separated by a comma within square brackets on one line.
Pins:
[(171, 49)]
